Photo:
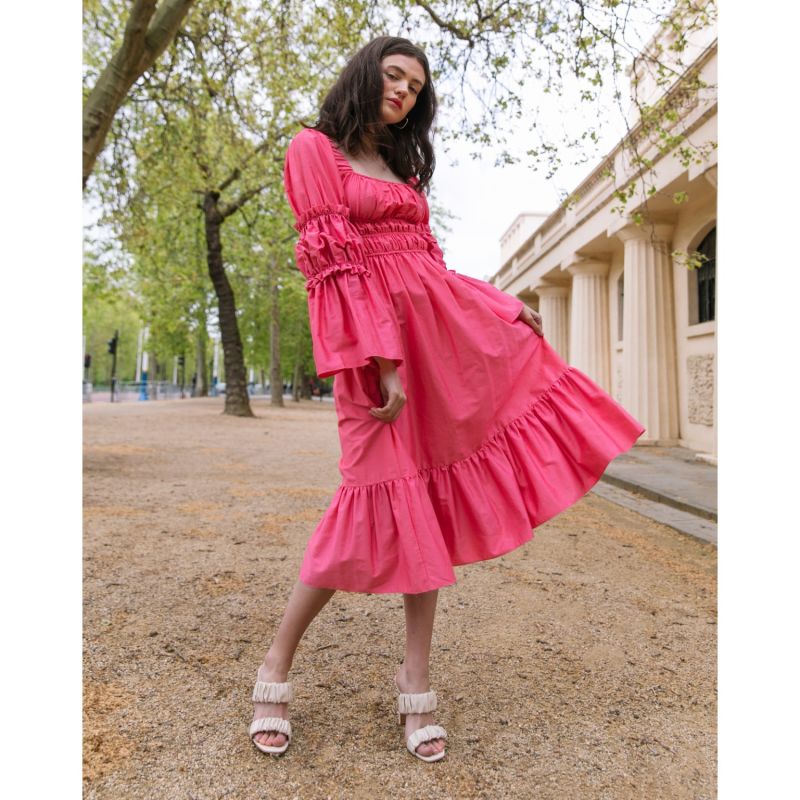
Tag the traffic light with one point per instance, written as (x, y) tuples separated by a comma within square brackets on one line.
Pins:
[(181, 361), (87, 361), (112, 346)]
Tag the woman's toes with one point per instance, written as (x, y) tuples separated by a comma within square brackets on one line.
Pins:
[(270, 739)]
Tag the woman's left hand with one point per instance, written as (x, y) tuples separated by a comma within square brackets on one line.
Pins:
[(532, 318), (394, 397)]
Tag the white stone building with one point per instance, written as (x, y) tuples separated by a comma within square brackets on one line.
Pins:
[(617, 299)]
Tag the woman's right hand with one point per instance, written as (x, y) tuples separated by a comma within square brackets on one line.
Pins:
[(532, 318), (394, 397)]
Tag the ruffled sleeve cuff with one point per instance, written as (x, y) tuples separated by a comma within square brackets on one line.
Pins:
[(351, 315), (351, 320)]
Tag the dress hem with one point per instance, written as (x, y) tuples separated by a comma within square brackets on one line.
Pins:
[(404, 535)]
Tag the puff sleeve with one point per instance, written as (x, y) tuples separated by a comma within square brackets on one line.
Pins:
[(350, 312), (502, 303)]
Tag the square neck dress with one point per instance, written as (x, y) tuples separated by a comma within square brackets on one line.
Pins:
[(498, 433)]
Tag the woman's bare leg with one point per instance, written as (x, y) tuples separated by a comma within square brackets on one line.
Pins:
[(304, 603), (412, 676)]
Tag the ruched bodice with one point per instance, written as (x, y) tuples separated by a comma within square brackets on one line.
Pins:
[(382, 238), (497, 435)]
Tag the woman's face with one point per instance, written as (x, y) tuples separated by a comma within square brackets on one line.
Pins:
[(403, 79)]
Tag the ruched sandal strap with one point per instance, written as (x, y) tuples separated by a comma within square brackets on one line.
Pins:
[(275, 724), (273, 692), (424, 735), (420, 703)]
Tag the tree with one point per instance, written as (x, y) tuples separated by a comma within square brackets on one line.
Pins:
[(150, 29), (199, 145), (222, 109), (487, 56)]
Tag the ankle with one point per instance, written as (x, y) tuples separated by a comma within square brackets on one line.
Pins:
[(277, 664), (416, 674)]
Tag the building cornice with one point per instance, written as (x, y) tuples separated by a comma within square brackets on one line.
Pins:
[(519, 217), (600, 173)]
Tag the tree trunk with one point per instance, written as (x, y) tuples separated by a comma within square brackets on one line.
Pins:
[(275, 379), (237, 402), (201, 387), (297, 381), (148, 32)]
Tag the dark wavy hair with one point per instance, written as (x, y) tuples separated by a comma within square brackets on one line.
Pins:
[(351, 112)]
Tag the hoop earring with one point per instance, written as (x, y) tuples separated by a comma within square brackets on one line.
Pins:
[(401, 127)]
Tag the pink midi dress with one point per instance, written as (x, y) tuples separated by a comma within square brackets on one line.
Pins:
[(498, 433)]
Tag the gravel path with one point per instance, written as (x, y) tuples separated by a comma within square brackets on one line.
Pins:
[(582, 665)]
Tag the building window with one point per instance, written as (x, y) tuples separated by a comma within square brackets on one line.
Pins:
[(620, 305), (706, 278)]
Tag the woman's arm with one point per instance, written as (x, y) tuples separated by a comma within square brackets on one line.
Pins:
[(351, 315)]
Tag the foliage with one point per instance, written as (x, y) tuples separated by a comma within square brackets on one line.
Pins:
[(103, 314), (501, 64), (150, 27), (212, 116), (689, 260)]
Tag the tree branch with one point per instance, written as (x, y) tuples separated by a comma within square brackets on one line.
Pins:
[(448, 26), (231, 208), (145, 39)]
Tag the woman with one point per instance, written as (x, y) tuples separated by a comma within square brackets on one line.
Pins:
[(461, 429)]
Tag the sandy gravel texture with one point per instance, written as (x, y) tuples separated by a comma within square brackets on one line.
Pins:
[(582, 665)]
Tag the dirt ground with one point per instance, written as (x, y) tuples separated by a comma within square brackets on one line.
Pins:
[(582, 665)]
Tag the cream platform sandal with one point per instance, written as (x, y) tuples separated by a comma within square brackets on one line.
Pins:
[(272, 693), (420, 703)]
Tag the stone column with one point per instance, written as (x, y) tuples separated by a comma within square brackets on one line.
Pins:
[(554, 308), (649, 370), (589, 348)]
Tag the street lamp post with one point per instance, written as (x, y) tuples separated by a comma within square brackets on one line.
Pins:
[(182, 365), (112, 349)]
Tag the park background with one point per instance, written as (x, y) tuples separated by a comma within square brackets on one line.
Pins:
[(194, 155)]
